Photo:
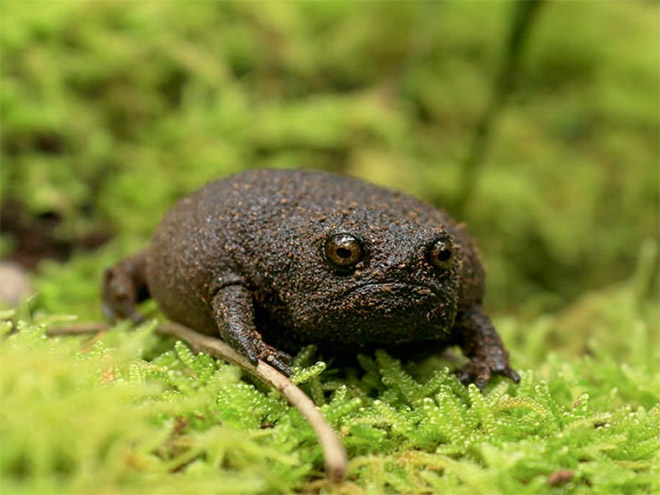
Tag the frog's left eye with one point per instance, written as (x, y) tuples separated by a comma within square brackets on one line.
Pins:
[(440, 254), (344, 251)]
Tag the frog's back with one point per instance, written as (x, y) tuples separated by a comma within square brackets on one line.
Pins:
[(277, 190)]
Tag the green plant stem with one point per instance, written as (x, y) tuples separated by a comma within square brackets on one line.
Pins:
[(523, 15)]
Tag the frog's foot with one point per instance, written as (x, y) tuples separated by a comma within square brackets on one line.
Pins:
[(124, 286), (279, 360), (479, 371), (481, 343), (255, 349)]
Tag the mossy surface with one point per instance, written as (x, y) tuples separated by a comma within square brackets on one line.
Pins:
[(112, 111), (131, 412)]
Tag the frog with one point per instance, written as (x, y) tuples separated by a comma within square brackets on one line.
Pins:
[(273, 260)]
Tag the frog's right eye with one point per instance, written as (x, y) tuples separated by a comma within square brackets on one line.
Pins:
[(440, 254), (343, 251)]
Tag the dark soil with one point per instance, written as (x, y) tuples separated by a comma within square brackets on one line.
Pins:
[(35, 237)]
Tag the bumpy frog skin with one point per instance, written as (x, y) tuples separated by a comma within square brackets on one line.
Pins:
[(271, 260)]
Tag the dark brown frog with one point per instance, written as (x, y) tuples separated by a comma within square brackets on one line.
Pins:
[(271, 260)]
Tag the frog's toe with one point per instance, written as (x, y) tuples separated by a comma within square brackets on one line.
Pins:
[(115, 313), (474, 372), (500, 366), (479, 372), (284, 357), (277, 359), (247, 347), (278, 364), (510, 373)]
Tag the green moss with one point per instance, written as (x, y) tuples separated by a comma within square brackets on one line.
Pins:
[(131, 412)]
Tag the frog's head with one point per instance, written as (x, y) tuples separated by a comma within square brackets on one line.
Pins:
[(374, 279)]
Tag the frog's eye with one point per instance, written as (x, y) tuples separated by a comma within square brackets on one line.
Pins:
[(343, 250), (440, 254)]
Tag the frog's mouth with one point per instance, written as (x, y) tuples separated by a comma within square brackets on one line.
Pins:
[(388, 313), (387, 288), (392, 301)]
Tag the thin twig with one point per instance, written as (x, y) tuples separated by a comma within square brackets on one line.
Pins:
[(333, 451)]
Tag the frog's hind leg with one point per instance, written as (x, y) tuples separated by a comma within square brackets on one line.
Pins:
[(124, 286)]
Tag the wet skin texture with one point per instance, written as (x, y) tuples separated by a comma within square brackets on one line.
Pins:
[(272, 260)]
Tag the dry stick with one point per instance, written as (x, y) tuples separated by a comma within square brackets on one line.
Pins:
[(333, 451)]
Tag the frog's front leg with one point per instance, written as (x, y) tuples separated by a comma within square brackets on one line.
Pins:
[(124, 286), (233, 311), (480, 342)]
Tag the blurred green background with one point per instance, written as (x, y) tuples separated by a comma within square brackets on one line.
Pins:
[(111, 111)]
